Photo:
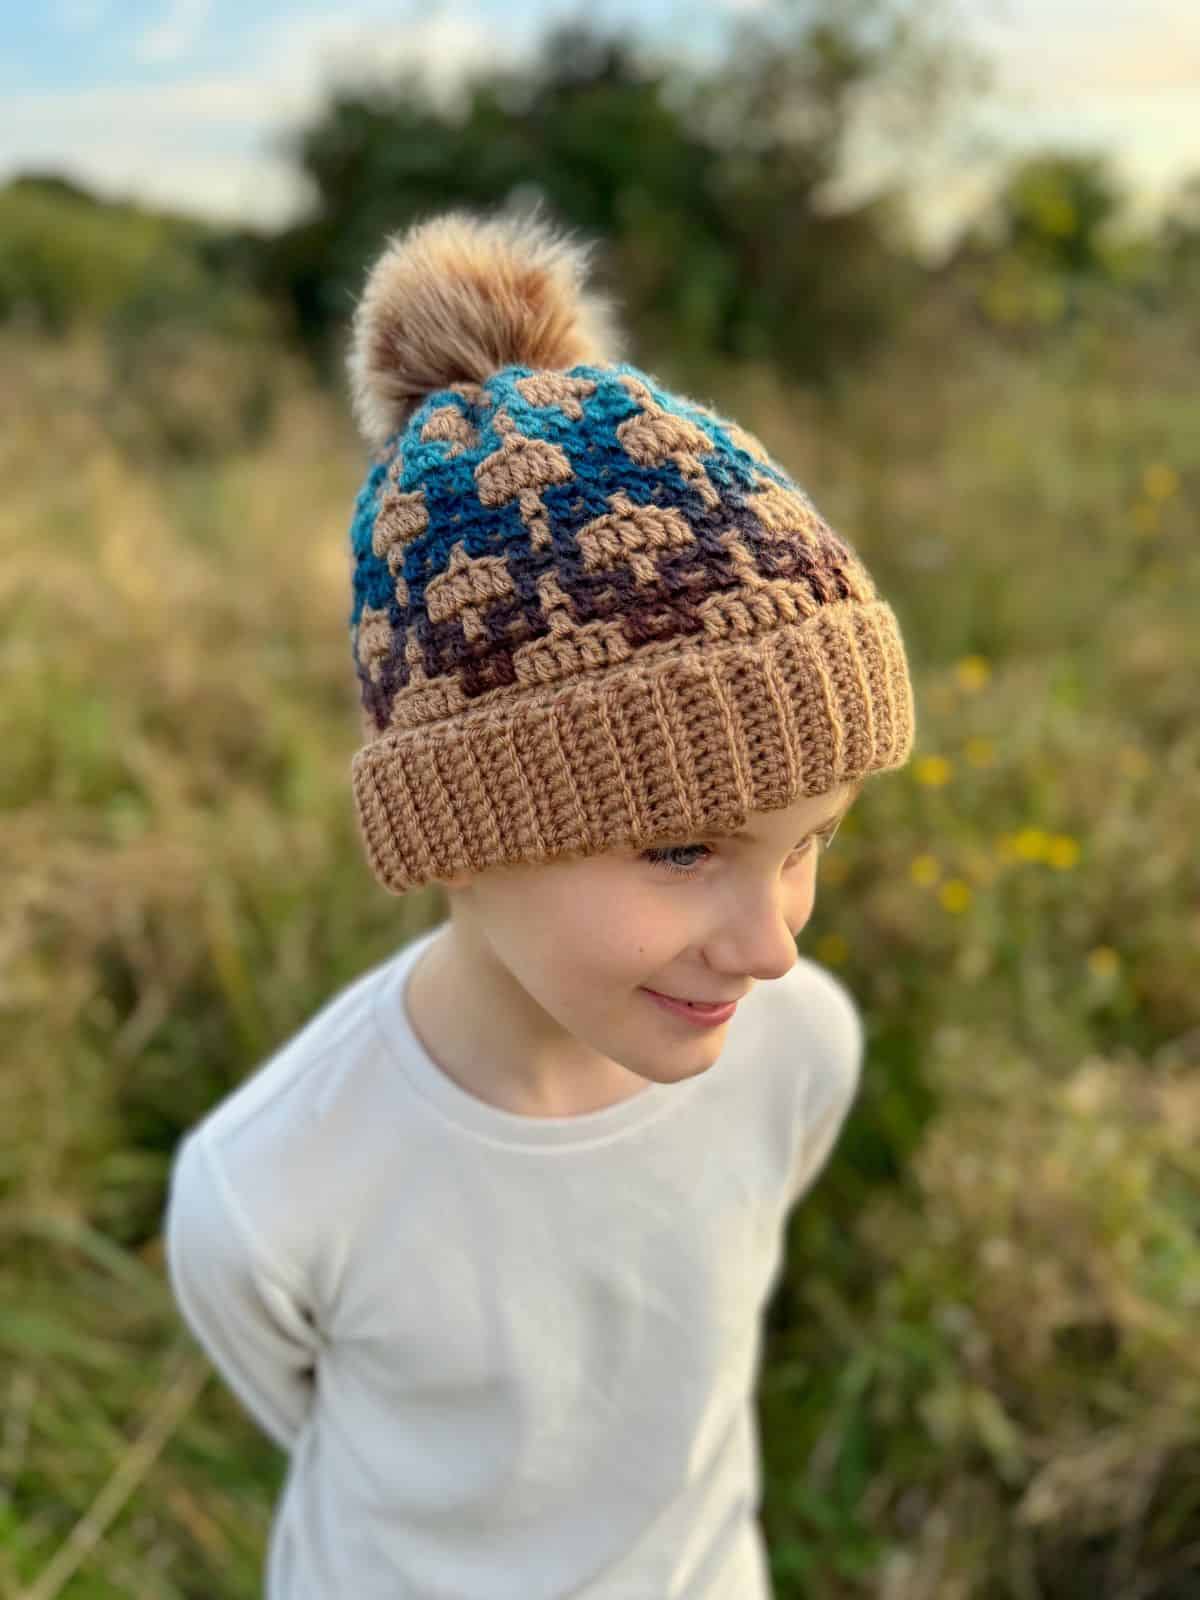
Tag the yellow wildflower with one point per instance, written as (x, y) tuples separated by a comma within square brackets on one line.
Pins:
[(980, 752), (1030, 844), (932, 771), (924, 870), (1160, 481), (1103, 961), (955, 895), (1062, 852), (972, 672), (832, 949)]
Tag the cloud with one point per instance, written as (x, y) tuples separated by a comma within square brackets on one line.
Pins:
[(1076, 48), (261, 190), (174, 34), (206, 142), (448, 43)]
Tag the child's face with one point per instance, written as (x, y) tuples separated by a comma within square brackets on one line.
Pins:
[(565, 950)]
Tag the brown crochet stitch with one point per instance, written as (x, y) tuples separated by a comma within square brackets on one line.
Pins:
[(588, 612)]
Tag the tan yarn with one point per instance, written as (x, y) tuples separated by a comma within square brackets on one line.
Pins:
[(651, 752), (590, 614)]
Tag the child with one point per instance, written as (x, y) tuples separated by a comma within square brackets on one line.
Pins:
[(486, 1245)]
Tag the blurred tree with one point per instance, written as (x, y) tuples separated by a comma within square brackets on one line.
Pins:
[(1057, 211), (54, 184), (585, 127), (1181, 225), (810, 283), (1051, 247), (709, 186)]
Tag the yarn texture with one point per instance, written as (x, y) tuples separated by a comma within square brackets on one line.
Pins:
[(591, 613)]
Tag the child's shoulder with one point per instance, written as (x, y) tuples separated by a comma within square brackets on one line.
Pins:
[(825, 1000), (815, 1009), (295, 1083), (293, 1148)]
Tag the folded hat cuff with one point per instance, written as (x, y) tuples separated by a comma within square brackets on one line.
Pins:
[(651, 751)]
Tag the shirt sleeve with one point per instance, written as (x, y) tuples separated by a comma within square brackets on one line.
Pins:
[(836, 1039), (253, 1327)]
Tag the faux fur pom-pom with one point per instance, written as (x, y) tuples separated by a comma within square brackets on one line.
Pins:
[(457, 297)]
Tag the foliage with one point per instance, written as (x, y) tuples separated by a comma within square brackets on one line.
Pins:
[(979, 1378), (708, 188), (1057, 210), (168, 294), (1054, 248)]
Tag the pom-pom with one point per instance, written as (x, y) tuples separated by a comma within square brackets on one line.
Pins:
[(456, 298)]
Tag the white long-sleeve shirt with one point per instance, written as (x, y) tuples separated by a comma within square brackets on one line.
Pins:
[(511, 1358)]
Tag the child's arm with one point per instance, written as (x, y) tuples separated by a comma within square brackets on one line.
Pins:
[(837, 1040), (251, 1325)]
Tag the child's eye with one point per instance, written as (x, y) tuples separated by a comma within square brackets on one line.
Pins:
[(662, 857)]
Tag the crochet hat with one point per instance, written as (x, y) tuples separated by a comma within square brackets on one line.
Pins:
[(588, 612)]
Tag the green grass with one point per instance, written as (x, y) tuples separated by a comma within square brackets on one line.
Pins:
[(980, 1376)]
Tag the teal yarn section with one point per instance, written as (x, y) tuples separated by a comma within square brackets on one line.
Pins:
[(445, 474)]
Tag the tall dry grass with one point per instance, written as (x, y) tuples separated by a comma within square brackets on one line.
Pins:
[(981, 1378)]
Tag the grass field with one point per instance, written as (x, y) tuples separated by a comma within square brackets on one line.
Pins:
[(982, 1375)]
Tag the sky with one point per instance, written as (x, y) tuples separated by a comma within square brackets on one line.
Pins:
[(187, 103)]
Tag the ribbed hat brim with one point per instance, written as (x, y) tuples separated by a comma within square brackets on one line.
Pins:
[(654, 750)]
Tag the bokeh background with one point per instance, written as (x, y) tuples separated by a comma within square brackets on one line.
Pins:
[(945, 260)]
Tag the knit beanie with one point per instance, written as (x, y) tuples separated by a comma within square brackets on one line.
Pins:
[(588, 612)]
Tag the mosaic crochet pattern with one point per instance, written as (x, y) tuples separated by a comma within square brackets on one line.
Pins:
[(590, 614), (546, 525)]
